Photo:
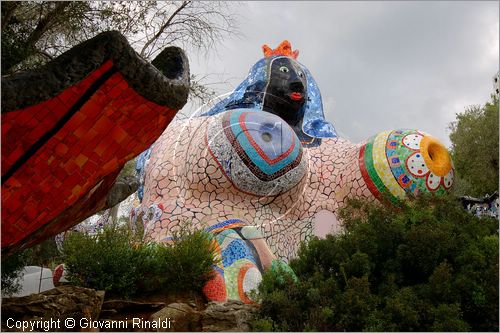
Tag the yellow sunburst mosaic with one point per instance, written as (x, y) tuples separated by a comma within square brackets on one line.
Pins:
[(382, 166)]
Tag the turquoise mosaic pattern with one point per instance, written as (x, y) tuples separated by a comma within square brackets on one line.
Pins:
[(270, 157), (257, 151)]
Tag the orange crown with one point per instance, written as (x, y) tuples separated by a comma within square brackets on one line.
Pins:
[(284, 49)]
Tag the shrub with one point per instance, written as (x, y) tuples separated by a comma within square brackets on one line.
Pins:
[(114, 261), (427, 265), (181, 266), (105, 261), (263, 325), (44, 254)]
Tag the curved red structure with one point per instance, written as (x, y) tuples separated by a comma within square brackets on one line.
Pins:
[(69, 127)]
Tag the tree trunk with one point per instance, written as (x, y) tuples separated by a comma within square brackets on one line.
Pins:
[(45, 23)]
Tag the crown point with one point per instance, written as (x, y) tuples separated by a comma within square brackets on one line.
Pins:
[(267, 50), (283, 49)]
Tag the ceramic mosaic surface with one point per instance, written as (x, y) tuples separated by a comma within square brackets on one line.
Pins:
[(246, 176), (244, 256), (394, 163), (260, 91), (257, 151), (69, 127)]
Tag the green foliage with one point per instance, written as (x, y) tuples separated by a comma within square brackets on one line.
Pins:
[(128, 169), (427, 265), (474, 137), (113, 261), (263, 325), (34, 32), (185, 265), (44, 254), (12, 268), (106, 261)]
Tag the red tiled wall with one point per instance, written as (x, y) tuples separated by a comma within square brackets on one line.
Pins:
[(112, 127)]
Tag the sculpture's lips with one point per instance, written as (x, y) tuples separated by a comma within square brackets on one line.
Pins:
[(296, 96)]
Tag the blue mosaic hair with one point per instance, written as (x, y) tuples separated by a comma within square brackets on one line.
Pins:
[(249, 94)]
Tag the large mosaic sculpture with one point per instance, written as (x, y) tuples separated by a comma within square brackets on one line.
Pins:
[(69, 127), (258, 169)]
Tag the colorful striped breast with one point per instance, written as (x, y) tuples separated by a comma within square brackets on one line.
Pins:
[(396, 163), (257, 151)]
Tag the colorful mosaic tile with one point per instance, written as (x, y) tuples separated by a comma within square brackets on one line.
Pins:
[(253, 164), (240, 270), (243, 172), (258, 151), (65, 140), (405, 161)]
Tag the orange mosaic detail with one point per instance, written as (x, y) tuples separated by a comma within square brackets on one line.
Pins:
[(215, 289), (241, 276), (22, 128), (284, 49)]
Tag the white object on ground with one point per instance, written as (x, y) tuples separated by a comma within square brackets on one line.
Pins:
[(34, 280)]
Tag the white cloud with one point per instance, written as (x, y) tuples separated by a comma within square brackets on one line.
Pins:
[(379, 65)]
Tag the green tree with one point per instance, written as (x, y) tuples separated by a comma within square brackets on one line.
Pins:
[(428, 265), (34, 32), (12, 268), (44, 254), (474, 137)]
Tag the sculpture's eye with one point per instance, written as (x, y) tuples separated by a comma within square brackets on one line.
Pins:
[(301, 74), (284, 69)]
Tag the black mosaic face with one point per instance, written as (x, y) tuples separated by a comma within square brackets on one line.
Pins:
[(286, 92)]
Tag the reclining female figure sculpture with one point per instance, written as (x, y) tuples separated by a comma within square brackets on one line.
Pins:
[(258, 167)]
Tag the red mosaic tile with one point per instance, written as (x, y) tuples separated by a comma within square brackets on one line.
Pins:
[(67, 181), (80, 160), (61, 149)]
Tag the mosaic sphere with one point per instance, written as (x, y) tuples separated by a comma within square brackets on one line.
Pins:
[(394, 163), (257, 151)]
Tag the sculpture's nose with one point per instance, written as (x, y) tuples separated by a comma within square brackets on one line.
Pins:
[(297, 86)]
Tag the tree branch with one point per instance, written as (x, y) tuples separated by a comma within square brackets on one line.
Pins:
[(8, 9), (45, 23), (45, 54), (164, 26)]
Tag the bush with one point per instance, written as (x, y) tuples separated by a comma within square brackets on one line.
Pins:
[(113, 261), (184, 265), (428, 265), (44, 254)]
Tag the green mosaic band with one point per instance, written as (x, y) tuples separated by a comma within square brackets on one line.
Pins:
[(372, 172), (381, 164)]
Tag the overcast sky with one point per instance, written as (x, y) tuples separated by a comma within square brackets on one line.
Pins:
[(379, 65)]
